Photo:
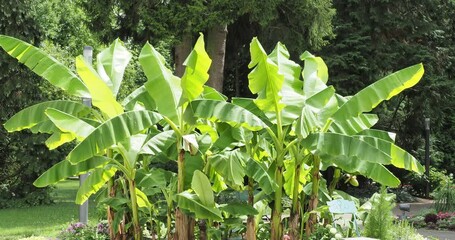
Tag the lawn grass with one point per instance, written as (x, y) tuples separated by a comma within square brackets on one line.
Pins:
[(44, 221)]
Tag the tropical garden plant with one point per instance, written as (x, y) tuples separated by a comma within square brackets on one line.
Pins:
[(267, 149)]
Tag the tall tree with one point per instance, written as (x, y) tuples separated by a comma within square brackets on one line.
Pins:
[(272, 19)]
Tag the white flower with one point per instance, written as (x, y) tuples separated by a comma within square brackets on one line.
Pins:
[(333, 230), (338, 236)]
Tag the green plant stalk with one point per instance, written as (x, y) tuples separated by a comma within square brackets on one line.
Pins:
[(136, 225), (110, 193), (334, 182), (295, 210), (250, 224), (313, 204), (276, 231), (302, 212)]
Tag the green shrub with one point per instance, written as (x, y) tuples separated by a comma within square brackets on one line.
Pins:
[(379, 221), (419, 182), (403, 230), (445, 196)]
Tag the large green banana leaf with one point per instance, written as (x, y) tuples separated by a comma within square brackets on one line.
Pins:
[(317, 110), (224, 112), (201, 186), (384, 89), (35, 115), (101, 94), (131, 149), (291, 91), (159, 143), (69, 123), (229, 165), (59, 138), (289, 177), (354, 125), (141, 96), (192, 203), (213, 94), (259, 172), (112, 63), (249, 105), (202, 203), (355, 165), (386, 136), (400, 158), (342, 145), (114, 130), (265, 79), (196, 72), (315, 74), (65, 169), (44, 65), (94, 182), (162, 85)]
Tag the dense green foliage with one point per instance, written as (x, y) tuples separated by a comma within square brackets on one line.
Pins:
[(379, 221), (373, 38)]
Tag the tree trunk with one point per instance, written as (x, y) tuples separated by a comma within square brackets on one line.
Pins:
[(182, 50), (250, 225), (216, 48)]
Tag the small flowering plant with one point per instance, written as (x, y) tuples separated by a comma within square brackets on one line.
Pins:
[(77, 231), (445, 215)]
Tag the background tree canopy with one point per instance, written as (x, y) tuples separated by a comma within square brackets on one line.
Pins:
[(361, 41)]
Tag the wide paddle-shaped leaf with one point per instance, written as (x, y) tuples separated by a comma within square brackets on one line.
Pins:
[(224, 112), (69, 123), (59, 138), (375, 171), (315, 74), (291, 91), (162, 85), (114, 130), (112, 63), (400, 158), (35, 114), (196, 71), (44, 65), (384, 89), (94, 182), (201, 186), (229, 165), (192, 203), (341, 145), (101, 94), (159, 143), (259, 172), (265, 79), (65, 169), (139, 96)]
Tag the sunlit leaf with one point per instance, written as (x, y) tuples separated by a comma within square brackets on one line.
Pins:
[(196, 72), (44, 65), (65, 169), (114, 130), (112, 63), (95, 180)]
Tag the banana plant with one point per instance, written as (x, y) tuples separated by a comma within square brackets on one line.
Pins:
[(109, 139), (313, 128)]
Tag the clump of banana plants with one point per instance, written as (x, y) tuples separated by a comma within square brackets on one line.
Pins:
[(166, 154)]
